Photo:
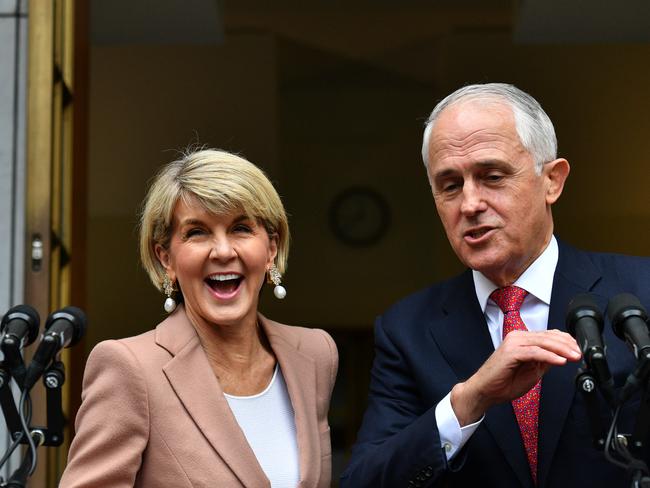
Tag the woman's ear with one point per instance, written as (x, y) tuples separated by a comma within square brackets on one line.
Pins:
[(165, 260), (556, 173), (273, 249)]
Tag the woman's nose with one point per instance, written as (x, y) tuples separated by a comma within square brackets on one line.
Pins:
[(222, 249)]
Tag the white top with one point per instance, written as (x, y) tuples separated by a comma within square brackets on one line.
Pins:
[(267, 420), (537, 280)]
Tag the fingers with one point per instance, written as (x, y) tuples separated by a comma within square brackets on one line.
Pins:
[(513, 369), (553, 347), (539, 355)]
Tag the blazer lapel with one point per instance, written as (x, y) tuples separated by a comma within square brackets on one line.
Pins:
[(464, 339), (574, 274), (299, 373), (193, 381)]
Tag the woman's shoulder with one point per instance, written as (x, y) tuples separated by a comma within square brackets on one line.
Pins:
[(172, 333), (132, 352), (134, 344), (313, 342), (317, 345), (295, 333)]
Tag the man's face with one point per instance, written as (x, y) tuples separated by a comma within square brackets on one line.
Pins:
[(494, 207)]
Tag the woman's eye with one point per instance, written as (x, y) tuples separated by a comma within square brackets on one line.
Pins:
[(193, 232), (242, 228)]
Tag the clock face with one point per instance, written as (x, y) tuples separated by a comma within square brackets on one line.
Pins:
[(359, 216)]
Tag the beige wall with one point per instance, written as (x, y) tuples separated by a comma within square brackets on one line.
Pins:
[(336, 123), (599, 101), (146, 103)]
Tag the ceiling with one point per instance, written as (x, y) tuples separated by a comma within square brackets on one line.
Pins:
[(582, 22), (363, 27)]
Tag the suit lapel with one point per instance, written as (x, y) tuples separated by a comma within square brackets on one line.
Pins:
[(464, 340), (463, 336), (574, 274), (299, 373), (193, 381)]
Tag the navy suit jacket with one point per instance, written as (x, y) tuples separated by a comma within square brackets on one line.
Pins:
[(431, 340)]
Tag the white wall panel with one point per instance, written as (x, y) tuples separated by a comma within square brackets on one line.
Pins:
[(13, 85), (7, 153), (8, 7)]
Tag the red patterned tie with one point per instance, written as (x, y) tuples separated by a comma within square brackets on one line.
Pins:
[(526, 407)]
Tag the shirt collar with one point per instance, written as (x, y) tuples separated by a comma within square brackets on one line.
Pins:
[(537, 280)]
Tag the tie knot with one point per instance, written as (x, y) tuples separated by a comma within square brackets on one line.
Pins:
[(509, 298)]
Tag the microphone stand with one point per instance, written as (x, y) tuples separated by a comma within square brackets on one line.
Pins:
[(642, 425), (586, 385), (53, 379), (8, 403), (638, 439), (636, 467), (19, 477), (21, 432), (629, 448)]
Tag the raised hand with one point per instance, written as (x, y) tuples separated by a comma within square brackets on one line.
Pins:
[(513, 369)]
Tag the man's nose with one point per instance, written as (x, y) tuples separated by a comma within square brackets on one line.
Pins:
[(473, 201)]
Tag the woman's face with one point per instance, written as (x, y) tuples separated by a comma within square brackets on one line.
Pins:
[(219, 262)]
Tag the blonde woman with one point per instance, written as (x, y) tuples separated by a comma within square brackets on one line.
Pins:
[(216, 395)]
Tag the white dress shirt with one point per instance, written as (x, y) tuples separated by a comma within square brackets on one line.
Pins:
[(537, 280)]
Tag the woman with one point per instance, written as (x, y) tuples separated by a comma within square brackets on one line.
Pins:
[(217, 395)]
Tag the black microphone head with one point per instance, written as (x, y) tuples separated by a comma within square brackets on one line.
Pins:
[(29, 315), (74, 316), (623, 306), (580, 306)]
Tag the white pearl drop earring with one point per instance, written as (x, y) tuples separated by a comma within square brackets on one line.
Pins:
[(276, 278), (170, 303)]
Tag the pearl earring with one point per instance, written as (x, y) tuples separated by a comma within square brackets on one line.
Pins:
[(170, 303), (276, 278)]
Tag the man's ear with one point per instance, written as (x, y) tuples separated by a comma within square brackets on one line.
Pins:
[(555, 173)]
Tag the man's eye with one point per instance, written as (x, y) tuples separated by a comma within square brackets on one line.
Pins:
[(450, 187), (494, 177)]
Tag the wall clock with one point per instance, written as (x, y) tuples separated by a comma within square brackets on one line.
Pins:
[(359, 216)]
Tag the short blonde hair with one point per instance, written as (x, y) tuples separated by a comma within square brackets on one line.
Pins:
[(223, 182)]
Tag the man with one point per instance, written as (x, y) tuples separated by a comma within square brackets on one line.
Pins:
[(452, 401)]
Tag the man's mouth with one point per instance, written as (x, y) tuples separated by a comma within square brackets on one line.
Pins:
[(224, 284), (475, 234)]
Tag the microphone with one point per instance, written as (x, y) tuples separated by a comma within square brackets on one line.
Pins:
[(630, 323), (19, 329), (584, 321), (63, 328)]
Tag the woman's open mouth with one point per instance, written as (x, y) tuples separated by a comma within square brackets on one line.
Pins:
[(224, 285)]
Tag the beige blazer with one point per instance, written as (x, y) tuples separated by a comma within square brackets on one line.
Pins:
[(153, 413)]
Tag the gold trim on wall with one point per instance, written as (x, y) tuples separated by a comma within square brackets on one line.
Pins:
[(49, 181)]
